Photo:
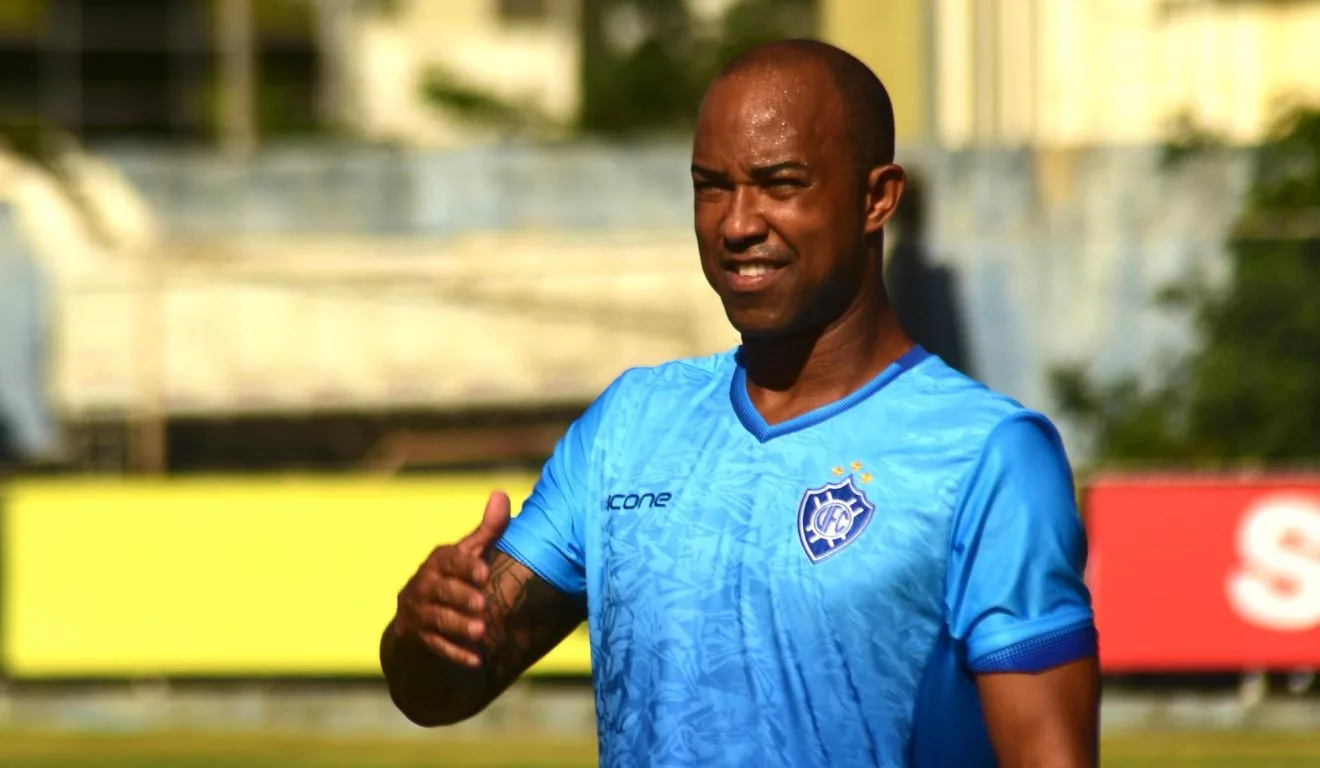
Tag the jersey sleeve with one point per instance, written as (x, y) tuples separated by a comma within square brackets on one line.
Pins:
[(547, 535), (1016, 597)]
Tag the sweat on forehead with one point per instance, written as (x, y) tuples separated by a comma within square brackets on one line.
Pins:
[(774, 100), (832, 75)]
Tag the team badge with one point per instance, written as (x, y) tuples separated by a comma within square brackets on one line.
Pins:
[(832, 516)]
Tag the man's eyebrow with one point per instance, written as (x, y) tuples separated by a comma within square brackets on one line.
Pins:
[(759, 171), (771, 170)]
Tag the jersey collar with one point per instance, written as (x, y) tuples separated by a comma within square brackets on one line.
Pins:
[(753, 422)]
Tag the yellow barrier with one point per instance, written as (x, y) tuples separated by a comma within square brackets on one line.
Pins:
[(225, 577)]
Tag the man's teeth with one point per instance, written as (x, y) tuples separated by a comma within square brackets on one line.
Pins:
[(753, 270)]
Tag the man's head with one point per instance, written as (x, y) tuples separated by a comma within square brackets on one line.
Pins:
[(792, 166)]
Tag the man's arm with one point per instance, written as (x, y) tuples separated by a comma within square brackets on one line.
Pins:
[(536, 618), (479, 613), (1018, 602), (1044, 720), (468, 624)]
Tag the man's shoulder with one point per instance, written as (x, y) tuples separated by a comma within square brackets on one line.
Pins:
[(655, 388), (968, 410), (677, 376)]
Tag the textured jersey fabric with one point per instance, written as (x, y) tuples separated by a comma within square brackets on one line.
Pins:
[(819, 592)]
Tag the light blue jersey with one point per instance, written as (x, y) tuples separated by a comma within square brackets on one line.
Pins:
[(815, 593)]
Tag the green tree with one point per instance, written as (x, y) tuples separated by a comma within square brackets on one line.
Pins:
[(1248, 391), (478, 106), (646, 63), (644, 66)]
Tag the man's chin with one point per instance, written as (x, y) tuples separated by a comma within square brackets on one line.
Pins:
[(758, 326)]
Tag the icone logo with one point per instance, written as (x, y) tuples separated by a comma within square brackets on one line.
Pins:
[(635, 500), (1277, 583)]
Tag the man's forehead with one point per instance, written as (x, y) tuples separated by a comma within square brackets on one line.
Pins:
[(769, 103)]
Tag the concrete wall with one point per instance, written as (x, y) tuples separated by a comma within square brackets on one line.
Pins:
[(1056, 256), (1057, 253), (365, 324)]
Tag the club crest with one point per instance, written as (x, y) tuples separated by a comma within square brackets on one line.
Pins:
[(831, 517)]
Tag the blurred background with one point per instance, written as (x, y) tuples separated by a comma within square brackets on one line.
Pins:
[(287, 286)]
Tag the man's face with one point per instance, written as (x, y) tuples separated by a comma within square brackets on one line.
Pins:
[(779, 201)]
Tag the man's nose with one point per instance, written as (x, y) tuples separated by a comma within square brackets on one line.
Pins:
[(743, 225)]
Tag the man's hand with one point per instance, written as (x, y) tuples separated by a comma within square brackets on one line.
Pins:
[(468, 623), (443, 606)]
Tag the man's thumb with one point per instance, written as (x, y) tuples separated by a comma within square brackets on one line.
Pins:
[(493, 522)]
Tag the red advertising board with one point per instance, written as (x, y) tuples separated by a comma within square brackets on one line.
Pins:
[(1205, 574)]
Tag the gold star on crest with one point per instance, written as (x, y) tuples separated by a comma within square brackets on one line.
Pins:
[(837, 471), (856, 465), (866, 477)]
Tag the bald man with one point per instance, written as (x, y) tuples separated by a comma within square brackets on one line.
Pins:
[(822, 548)]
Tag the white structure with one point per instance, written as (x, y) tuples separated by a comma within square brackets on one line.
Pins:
[(1095, 72), (293, 324), (525, 51)]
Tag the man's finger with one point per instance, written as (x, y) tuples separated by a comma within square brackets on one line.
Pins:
[(452, 651), (493, 522), (453, 625), (459, 593)]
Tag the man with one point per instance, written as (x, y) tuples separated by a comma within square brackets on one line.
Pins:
[(825, 548)]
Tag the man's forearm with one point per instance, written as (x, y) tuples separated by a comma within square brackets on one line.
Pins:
[(524, 617), (428, 689), (1045, 719)]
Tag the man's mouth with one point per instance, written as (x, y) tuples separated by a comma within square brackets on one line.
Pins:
[(752, 275), (756, 269)]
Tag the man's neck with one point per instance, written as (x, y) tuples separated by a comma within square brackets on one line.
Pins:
[(792, 375)]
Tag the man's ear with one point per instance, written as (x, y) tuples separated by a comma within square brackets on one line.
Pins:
[(884, 188)]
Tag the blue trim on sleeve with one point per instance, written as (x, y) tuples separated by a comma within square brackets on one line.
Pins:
[(1040, 653), (554, 580)]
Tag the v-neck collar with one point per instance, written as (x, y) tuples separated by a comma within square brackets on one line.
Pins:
[(754, 423)]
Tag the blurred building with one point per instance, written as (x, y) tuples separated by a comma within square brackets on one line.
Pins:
[(523, 51), (320, 344), (1052, 73), (166, 69), (1081, 72), (315, 284), (150, 69)]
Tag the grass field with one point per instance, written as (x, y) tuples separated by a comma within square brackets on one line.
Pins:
[(185, 751)]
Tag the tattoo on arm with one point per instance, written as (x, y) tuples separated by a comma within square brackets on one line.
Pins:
[(526, 617)]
